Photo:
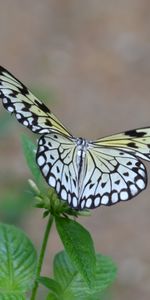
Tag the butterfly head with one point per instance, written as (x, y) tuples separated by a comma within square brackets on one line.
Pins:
[(83, 143)]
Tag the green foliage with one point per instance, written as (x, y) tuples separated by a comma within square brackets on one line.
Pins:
[(79, 247), (52, 296), (52, 285), (30, 154), (17, 263), (71, 284)]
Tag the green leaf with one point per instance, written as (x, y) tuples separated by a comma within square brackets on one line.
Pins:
[(12, 296), (79, 247), (51, 284), (106, 271), (73, 285), (52, 296), (30, 154), (17, 263)]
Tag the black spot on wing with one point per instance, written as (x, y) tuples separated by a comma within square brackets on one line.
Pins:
[(35, 120), (91, 185), (75, 183), (27, 107), (50, 144), (117, 182), (13, 93), (138, 163), (103, 184), (55, 136), (126, 174), (67, 178), (135, 133), (132, 145), (23, 90), (48, 122), (42, 106)]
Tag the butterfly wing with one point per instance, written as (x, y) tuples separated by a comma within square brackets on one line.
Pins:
[(29, 111), (135, 141), (112, 175), (56, 157), (114, 171)]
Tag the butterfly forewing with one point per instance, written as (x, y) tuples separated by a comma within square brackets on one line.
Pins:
[(29, 111), (136, 141)]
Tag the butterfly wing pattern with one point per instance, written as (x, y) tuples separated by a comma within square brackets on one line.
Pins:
[(56, 157), (29, 111), (84, 173), (112, 175)]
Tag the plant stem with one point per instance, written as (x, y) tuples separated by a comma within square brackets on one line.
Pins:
[(41, 256)]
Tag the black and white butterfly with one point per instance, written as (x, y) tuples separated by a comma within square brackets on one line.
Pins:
[(84, 173)]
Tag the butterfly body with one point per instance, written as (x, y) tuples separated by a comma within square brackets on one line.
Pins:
[(82, 145), (84, 173)]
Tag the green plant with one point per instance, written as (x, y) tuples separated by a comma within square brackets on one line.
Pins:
[(78, 272)]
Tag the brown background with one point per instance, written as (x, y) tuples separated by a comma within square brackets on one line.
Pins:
[(95, 58)]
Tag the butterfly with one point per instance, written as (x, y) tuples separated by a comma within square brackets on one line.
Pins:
[(84, 173)]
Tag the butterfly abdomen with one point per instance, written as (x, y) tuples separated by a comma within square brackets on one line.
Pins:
[(81, 162)]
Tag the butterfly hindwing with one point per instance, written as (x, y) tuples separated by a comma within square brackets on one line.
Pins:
[(56, 157), (112, 175), (29, 111)]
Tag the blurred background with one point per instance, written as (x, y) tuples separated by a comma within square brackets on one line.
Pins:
[(91, 62)]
